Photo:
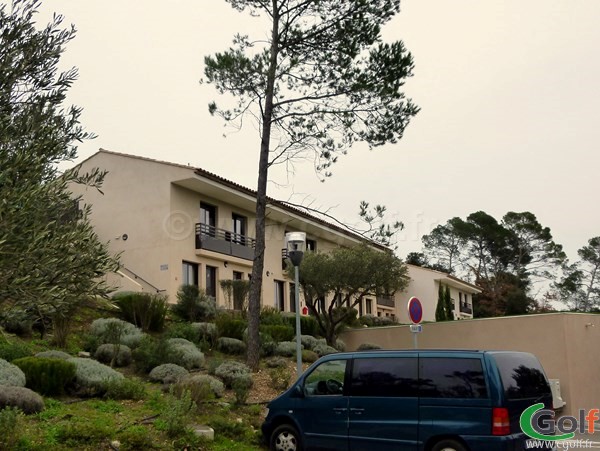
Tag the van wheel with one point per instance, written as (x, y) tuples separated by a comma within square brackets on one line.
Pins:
[(285, 438), (448, 445)]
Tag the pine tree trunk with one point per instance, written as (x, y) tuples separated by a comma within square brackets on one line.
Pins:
[(261, 205)]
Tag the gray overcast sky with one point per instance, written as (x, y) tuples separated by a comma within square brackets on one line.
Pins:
[(508, 90)]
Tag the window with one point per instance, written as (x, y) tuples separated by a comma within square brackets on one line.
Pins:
[(208, 219), (239, 229), (311, 245), (369, 306), (238, 275), (452, 378), (189, 273), (385, 377), (326, 379), (360, 308), (522, 376), (279, 299), (211, 281), (292, 297)]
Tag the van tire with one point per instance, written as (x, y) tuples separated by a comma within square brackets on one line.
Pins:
[(285, 438), (448, 445)]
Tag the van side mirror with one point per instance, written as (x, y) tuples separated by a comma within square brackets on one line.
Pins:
[(298, 392)]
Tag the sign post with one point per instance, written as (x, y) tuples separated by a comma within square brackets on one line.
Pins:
[(415, 312)]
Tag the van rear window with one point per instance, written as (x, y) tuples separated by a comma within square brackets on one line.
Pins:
[(452, 378), (522, 376)]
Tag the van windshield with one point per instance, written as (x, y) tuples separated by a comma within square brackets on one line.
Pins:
[(522, 375)]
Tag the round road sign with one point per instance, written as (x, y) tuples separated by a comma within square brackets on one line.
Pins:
[(415, 310)]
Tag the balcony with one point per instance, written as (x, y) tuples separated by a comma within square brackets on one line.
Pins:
[(211, 238), (386, 300), (465, 308)]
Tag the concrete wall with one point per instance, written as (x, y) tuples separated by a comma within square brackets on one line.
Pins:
[(565, 343)]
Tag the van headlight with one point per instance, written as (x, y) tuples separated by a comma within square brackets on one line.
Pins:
[(267, 410)]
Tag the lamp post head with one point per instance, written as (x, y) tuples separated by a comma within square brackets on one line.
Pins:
[(295, 243)]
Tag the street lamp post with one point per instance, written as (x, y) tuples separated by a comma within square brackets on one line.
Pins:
[(295, 243)]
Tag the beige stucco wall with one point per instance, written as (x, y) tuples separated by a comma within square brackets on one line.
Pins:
[(565, 343)]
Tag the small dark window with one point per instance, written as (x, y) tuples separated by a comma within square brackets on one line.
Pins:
[(189, 273), (452, 378), (279, 298), (385, 377), (211, 281), (311, 245), (369, 306), (522, 376)]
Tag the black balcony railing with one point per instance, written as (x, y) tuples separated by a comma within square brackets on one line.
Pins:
[(386, 300), (466, 308), (225, 242)]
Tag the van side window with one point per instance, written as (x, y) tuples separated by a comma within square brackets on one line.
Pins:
[(451, 378), (522, 376), (326, 379), (384, 377)]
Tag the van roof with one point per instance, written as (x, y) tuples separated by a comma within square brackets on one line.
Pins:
[(422, 351)]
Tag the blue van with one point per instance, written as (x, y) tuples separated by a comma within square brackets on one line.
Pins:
[(421, 400)]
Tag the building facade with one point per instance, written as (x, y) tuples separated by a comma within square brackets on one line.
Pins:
[(174, 224)]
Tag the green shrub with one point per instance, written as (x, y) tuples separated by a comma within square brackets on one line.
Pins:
[(241, 386), (376, 321), (154, 352), (136, 438), (286, 348), (280, 377), (367, 347), (175, 416), (308, 341), (194, 305), (11, 375), (91, 377), (267, 348), (20, 325), (207, 332), (278, 333), (13, 351), (213, 364), (183, 330), (114, 330), (22, 398), (231, 429), (47, 376), (147, 311), (189, 355), (202, 387), (52, 354), (323, 349), (308, 324), (231, 346), (10, 417), (114, 355), (229, 370), (276, 362), (309, 356), (168, 373), (126, 388), (270, 316), (230, 326), (340, 345)]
